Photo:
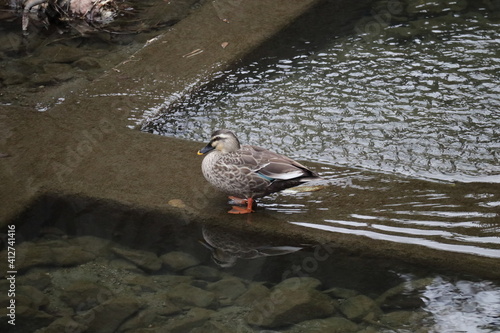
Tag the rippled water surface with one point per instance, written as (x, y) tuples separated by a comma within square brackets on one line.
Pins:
[(405, 92), (401, 108)]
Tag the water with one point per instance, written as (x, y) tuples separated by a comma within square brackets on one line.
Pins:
[(58, 57), (411, 93), (123, 277), (380, 132)]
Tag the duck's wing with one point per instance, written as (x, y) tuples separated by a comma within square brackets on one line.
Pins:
[(273, 166)]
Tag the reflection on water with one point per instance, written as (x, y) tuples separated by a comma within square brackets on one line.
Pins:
[(461, 218), (459, 302), (61, 55), (86, 266), (227, 248), (417, 94)]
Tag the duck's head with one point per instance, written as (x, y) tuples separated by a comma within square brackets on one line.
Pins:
[(222, 140)]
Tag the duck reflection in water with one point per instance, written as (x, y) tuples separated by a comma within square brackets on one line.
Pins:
[(227, 246)]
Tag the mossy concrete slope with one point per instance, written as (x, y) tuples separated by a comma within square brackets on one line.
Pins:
[(83, 145)]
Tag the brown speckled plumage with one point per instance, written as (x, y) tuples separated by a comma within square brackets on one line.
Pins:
[(249, 171)]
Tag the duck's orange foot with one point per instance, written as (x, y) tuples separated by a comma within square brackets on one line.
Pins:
[(241, 210)]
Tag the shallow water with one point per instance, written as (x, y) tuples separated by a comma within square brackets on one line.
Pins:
[(407, 100), (461, 218), (455, 217), (122, 277), (58, 57), (409, 92)]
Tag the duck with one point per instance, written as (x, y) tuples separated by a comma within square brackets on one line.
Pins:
[(247, 172)]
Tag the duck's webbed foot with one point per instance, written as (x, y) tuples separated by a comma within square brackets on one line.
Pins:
[(241, 210)]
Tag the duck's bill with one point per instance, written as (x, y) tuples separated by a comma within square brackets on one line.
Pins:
[(205, 150)]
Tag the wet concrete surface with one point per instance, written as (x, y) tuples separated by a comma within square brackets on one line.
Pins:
[(82, 148), (82, 145)]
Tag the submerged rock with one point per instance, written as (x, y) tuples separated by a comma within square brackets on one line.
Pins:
[(38, 279), (86, 63), (178, 261), (61, 53), (255, 292), (84, 295), (108, 316), (36, 298), (341, 293), (330, 325), (405, 295), (288, 306), (359, 307), (143, 259), (203, 273), (194, 318), (400, 319), (53, 253), (299, 283), (96, 245), (186, 294), (64, 324), (229, 288)]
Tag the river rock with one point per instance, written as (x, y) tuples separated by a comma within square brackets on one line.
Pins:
[(143, 319), (186, 294), (212, 326), (63, 324), (203, 273), (108, 316), (61, 53), (86, 63), (36, 297), (178, 261), (330, 325), (255, 292), (98, 246), (38, 279), (358, 307), (185, 323), (404, 289), (84, 295), (341, 293), (299, 283), (27, 319), (141, 283), (53, 253), (168, 281), (400, 319), (145, 260), (289, 306), (228, 288)]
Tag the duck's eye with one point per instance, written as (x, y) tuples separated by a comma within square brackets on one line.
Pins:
[(215, 141)]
